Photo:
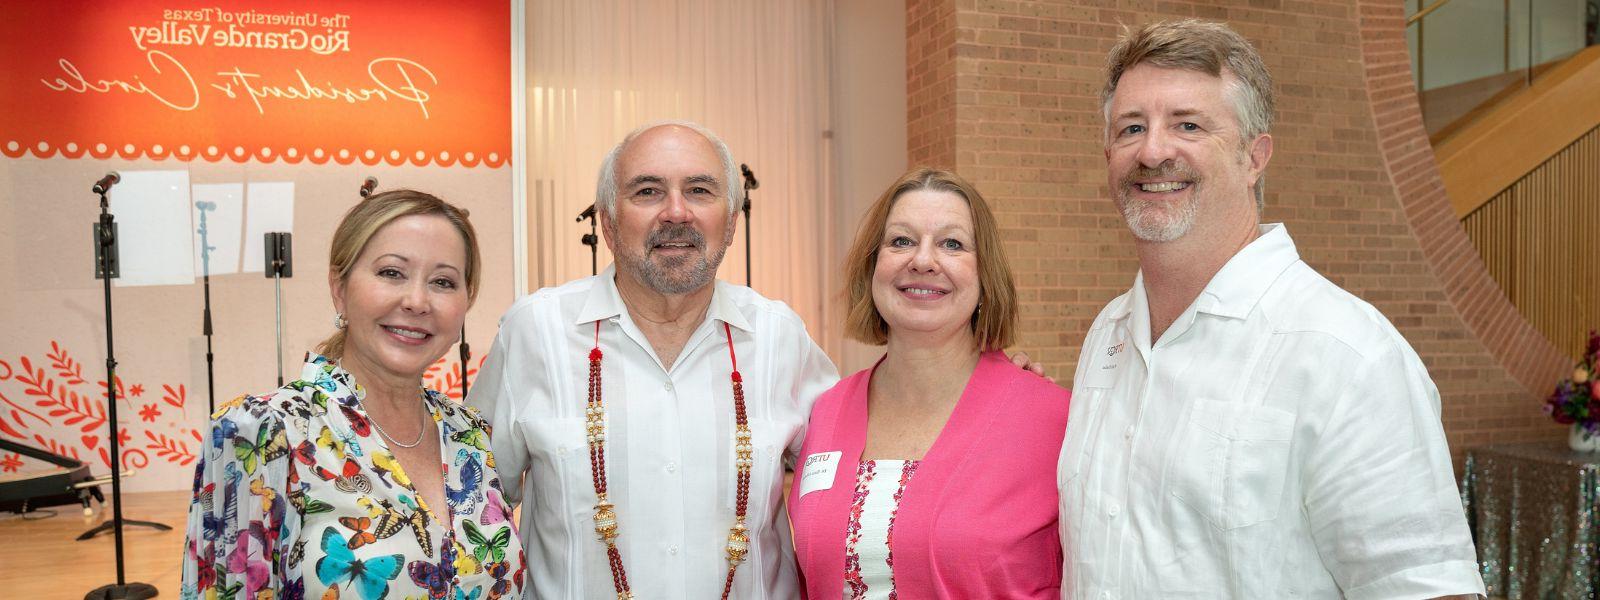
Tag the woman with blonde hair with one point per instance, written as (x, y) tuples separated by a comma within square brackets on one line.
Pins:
[(931, 474), (355, 481)]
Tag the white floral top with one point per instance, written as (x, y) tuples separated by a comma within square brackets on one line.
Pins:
[(297, 496), (868, 561)]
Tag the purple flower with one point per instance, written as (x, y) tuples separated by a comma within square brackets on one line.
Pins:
[(1558, 408), (1577, 399)]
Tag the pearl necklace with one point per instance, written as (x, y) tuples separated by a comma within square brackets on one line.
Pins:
[(605, 513)]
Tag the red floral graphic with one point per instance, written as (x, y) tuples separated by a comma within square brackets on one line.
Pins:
[(59, 401), (174, 396), (48, 394), (55, 447), (11, 463), (121, 393), (132, 458), (445, 377), (66, 368), (169, 449)]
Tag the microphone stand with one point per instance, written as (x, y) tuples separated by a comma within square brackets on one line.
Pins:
[(591, 239), (107, 268), (205, 328), (750, 184), (466, 355), (280, 264)]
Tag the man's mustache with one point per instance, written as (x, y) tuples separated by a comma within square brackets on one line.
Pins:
[(675, 233), (1165, 170)]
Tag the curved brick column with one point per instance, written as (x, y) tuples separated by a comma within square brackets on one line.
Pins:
[(1005, 91), (1524, 352)]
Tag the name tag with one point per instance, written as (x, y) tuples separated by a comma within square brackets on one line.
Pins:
[(818, 472), (1107, 363)]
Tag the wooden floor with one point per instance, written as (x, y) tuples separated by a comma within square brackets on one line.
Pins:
[(40, 559)]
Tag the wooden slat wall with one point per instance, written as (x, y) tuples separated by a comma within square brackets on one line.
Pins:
[(1540, 238)]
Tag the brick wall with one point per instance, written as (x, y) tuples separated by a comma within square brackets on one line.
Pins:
[(1006, 92), (930, 83)]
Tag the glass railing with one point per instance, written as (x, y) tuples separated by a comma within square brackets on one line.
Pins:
[(1468, 54)]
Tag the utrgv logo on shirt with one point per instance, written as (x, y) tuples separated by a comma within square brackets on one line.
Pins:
[(1105, 365), (818, 472), (1113, 358)]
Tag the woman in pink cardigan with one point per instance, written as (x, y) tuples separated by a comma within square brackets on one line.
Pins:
[(932, 474)]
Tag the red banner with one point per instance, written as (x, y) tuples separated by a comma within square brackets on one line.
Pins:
[(268, 80)]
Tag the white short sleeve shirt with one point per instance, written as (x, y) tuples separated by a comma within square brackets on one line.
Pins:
[(669, 439), (1280, 440)]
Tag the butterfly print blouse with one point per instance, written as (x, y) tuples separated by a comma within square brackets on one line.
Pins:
[(298, 496)]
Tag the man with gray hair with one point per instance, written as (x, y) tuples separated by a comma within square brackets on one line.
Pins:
[(1241, 427), (642, 417)]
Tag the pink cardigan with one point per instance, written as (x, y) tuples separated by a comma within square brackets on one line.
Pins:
[(978, 520)]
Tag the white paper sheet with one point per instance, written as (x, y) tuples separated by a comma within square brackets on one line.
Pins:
[(269, 206), (153, 228)]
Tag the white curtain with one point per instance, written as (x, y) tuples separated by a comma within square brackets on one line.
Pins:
[(754, 72)]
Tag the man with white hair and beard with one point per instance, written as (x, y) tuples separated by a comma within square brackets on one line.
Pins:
[(1240, 426), (642, 416)]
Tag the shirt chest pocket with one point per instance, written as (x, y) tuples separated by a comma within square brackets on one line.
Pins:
[(765, 454), (1082, 422), (1231, 462), (558, 465)]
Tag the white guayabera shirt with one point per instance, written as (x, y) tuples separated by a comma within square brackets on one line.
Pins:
[(669, 436), (1280, 440)]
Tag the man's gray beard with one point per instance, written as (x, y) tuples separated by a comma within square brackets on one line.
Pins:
[(1145, 218), (675, 276), (1151, 224)]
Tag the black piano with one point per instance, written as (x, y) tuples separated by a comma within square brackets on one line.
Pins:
[(63, 483)]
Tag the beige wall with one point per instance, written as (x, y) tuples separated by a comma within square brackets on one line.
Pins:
[(869, 141), (48, 296)]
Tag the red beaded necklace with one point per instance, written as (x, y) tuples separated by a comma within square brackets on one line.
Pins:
[(605, 513)]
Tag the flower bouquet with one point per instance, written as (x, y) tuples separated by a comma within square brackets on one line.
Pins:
[(1576, 401)]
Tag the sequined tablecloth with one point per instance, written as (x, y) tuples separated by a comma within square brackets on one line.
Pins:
[(1532, 511)]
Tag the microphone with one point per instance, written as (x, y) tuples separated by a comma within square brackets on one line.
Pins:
[(204, 205), (105, 183), (367, 186), (750, 182), (587, 212)]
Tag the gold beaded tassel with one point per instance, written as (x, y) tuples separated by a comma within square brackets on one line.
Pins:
[(605, 513), (744, 456)]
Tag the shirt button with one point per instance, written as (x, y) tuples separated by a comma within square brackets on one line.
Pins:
[(1113, 511), (1105, 594), (1128, 435), (673, 550), (672, 467), (667, 386)]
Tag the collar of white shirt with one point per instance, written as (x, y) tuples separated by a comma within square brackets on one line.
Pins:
[(1232, 293), (605, 302)]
